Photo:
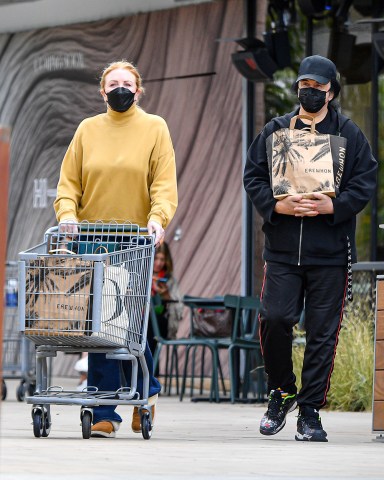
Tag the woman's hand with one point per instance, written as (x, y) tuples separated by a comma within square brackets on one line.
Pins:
[(160, 288), (69, 226), (158, 230)]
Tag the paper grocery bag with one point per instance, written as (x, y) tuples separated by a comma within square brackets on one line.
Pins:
[(58, 292), (304, 161)]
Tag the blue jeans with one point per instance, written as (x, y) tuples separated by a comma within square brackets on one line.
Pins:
[(105, 374)]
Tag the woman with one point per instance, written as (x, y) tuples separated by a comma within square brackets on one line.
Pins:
[(165, 296), (119, 166)]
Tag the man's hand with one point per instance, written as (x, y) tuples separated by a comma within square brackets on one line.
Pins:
[(158, 230), (318, 204), (287, 205), (300, 206)]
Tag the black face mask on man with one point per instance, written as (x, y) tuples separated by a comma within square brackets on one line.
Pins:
[(120, 99), (312, 99)]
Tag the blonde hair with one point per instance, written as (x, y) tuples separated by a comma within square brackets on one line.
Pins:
[(128, 66)]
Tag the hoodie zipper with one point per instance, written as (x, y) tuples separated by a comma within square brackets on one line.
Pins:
[(300, 239)]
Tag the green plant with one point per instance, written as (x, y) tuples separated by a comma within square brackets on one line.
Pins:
[(351, 381)]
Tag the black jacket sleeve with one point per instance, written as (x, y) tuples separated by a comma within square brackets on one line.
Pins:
[(256, 177), (361, 180)]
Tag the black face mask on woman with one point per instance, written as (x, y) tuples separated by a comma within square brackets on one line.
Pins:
[(120, 99), (311, 99)]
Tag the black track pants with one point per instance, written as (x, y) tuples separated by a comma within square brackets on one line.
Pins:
[(282, 300)]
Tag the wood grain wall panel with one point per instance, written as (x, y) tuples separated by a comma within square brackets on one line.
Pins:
[(378, 416), (380, 325), (380, 295), (378, 390), (379, 385), (50, 83), (379, 355)]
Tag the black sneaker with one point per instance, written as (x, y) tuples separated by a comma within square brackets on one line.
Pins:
[(279, 405), (309, 427)]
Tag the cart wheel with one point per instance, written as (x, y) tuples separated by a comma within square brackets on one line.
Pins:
[(146, 427), (46, 425), (86, 422), (37, 419), (20, 392), (3, 390)]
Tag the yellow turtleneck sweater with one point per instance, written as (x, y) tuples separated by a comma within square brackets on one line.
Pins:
[(119, 166)]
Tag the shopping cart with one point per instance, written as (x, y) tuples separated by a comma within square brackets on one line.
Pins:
[(88, 290), (18, 361)]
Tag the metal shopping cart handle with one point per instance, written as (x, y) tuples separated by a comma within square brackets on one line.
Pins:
[(61, 241), (102, 228)]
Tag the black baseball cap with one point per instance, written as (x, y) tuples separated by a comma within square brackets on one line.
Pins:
[(321, 70)]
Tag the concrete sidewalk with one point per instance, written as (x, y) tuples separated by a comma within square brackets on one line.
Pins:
[(190, 440)]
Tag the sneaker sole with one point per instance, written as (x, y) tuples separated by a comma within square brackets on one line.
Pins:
[(302, 438), (100, 434)]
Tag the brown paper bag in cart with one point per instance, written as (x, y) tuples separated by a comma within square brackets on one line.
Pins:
[(302, 161), (58, 292)]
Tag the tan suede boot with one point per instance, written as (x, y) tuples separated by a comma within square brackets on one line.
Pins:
[(105, 429), (136, 420)]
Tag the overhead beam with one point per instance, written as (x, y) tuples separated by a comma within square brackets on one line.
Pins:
[(30, 15)]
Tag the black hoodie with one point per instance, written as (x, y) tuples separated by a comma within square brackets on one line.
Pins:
[(320, 240)]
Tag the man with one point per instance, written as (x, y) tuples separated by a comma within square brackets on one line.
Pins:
[(307, 244)]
